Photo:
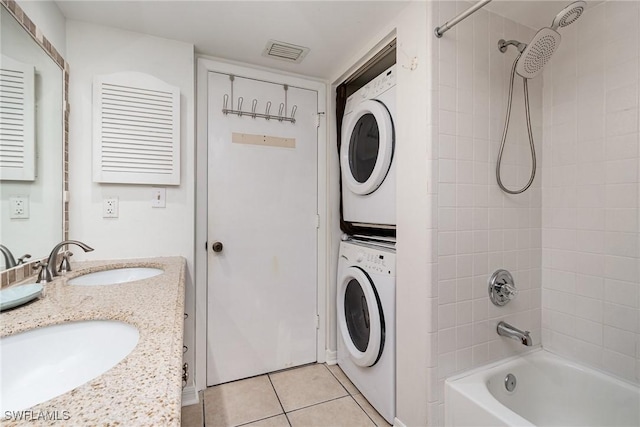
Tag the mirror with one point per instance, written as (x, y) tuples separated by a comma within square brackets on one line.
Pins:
[(32, 142)]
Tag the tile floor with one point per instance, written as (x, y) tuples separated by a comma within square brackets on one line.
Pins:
[(311, 395)]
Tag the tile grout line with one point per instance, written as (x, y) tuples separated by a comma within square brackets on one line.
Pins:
[(363, 410), (351, 395), (320, 403), (204, 423), (339, 382), (278, 397)]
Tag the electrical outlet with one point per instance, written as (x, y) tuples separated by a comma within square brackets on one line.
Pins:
[(110, 207), (159, 198), (19, 207)]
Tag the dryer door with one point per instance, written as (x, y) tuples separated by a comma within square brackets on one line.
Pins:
[(360, 317), (367, 147)]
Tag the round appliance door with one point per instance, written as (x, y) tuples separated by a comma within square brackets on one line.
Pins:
[(367, 147), (360, 317)]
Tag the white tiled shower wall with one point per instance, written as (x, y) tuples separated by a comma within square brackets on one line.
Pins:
[(590, 215), (480, 228), (572, 241)]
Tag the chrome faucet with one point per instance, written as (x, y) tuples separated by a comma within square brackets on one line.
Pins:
[(506, 330), (9, 260), (51, 263)]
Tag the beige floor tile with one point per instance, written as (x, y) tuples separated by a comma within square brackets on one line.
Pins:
[(240, 402), (344, 380), (192, 415), (370, 410), (306, 386), (277, 421), (335, 413)]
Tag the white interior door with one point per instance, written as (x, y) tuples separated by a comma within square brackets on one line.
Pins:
[(262, 207)]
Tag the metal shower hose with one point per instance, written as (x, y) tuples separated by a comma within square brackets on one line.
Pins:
[(506, 128)]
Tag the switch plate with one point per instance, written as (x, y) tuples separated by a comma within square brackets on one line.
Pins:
[(19, 207), (159, 197), (110, 207)]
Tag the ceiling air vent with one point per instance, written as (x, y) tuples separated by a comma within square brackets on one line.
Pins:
[(285, 51)]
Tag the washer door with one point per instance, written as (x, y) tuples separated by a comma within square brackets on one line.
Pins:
[(360, 317), (367, 147)]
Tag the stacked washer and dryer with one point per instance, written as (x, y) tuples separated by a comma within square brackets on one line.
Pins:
[(366, 292)]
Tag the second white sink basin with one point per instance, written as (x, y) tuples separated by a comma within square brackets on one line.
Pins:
[(43, 363), (116, 276)]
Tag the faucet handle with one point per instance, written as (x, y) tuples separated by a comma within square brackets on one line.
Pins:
[(65, 266), (508, 290), (22, 259), (502, 287), (44, 275)]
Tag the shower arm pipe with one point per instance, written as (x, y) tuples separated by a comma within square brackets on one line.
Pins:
[(439, 31)]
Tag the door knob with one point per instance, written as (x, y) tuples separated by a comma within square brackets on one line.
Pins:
[(217, 246)]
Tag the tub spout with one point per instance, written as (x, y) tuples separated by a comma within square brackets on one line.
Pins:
[(506, 330)]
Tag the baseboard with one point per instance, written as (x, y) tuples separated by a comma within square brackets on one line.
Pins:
[(398, 423), (189, 395), (331, 358)]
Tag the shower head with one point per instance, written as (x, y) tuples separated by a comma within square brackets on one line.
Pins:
[(568, 15), (537, 53)]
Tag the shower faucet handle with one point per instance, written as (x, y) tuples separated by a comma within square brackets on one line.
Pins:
[(502, 287)]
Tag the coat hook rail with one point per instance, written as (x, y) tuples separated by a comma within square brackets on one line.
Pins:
[(282, 110)]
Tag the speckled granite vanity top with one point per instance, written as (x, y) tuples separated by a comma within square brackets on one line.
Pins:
[(145, 388)]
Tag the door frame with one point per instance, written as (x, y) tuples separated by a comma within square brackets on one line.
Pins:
[(206, 64)]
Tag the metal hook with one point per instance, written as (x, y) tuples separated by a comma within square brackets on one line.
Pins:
[(225, 103), (293, 111), (240, 99), (254, 105), (266, 111), (280, 111)]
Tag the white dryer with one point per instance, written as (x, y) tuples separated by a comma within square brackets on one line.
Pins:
[(367, 151), (366, 299)]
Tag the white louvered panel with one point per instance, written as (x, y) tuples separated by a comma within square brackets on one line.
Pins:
[(136, 119), (17, 121)]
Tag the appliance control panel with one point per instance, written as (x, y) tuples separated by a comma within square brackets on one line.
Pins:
[(380, 84), (372, 89), (372, 260)]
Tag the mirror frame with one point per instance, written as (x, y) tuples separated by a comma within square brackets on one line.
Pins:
[(23, 271)]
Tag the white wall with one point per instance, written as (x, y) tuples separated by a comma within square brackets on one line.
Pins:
[(140, 231), (590, 215), (415, 302), (49, 19)]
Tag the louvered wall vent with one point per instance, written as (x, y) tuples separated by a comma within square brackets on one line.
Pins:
[(285, 51), (136, 130), (17, 121)]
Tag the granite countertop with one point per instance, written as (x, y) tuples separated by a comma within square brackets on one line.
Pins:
[(145, 388)]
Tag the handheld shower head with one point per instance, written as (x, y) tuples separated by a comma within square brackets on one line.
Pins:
[(537, 53), (568, 15)]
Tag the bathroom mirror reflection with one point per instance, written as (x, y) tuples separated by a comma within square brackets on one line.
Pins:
[(31, 145)]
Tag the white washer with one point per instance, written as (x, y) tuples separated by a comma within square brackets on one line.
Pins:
[(367, 153), (366, 300)]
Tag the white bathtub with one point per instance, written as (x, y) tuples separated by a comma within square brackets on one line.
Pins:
[(550, 391)]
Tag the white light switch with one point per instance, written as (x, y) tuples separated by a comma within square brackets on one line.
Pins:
[(159, 197), (19, 207)]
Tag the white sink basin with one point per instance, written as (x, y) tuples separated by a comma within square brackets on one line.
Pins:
[(116, 276), (43, 363)]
